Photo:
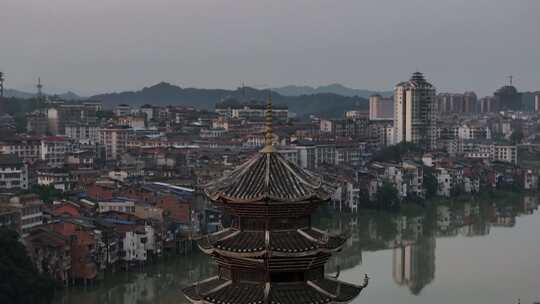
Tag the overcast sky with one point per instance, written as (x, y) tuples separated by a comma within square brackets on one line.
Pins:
[(93, 46)]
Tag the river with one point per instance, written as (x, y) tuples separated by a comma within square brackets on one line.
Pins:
[(454, 252)]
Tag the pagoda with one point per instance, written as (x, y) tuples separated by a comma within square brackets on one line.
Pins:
[(270, 253)]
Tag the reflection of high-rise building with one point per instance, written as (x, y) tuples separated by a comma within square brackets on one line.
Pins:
[(415, 112), (414, 264)]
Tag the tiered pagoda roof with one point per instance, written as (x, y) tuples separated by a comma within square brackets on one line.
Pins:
[(235, 243), (268, 177), (220, 291)]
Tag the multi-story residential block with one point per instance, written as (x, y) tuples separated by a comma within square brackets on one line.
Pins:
[(381, 108), (30, 207), (119, 205), (37, 123), (83, 133), (137, 243), (473, 130), (133, 121), (115, 139), (487, 105), (58, 178), (415, 112), (95, 106), (50, 252), (13, 173), (54, 150), (26, 148), (357, 114), (10, 218), (122, 110), (355, 128), (251, 111), (490, 151), (148, 111), (452, 103)]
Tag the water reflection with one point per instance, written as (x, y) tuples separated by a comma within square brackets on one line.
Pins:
[(411, 237)]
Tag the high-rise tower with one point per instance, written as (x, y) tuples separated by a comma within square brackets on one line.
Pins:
[(270, 253), (415, 112)]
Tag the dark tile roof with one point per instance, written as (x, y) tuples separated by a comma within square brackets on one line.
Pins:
[(269, 177), (281, 243)]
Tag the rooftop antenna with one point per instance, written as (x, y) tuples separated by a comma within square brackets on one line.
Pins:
[(1, 84), (39, 87), (510, 78), (243, 90)]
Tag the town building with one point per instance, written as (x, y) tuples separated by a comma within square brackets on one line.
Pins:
[(54, 150), (25, 147), (37, 123), (250, 111), (10, 218), (415, 112), (58, 178), (116, 205), (115, 139), (13, 173), (381, 108), (83, 133), (122, 110), (357, 114), (455, 103), (31, 210)]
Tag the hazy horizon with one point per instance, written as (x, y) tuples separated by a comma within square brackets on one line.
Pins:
[(91, 47)]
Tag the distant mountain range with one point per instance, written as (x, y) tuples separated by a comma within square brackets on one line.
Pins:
[(323, 104), (25, 95), (336, 88), (325, 101)]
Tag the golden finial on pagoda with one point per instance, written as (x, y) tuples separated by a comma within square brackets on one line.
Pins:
[(268, 135)]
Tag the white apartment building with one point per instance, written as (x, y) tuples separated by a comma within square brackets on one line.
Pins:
[(30, 207), (115, 139), (493, 152), (84, 134), (13, 173), (27, 149), (137, 243), (415, 112), (54, 149)]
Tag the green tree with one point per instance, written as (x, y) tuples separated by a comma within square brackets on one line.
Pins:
[(20, 283), (387, 197), (396, 152), (517, 136), (46, 193), (430, 182)]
